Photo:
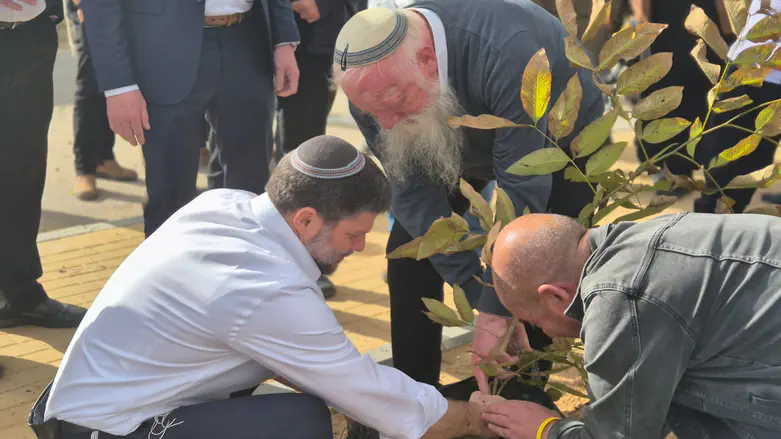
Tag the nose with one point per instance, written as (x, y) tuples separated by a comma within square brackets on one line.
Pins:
[(360, 244)]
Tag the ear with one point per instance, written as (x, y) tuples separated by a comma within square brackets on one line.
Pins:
[(306, 223), (557, 295), (427, 59)]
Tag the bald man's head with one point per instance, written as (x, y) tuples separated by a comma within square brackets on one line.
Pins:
[(536, 254)]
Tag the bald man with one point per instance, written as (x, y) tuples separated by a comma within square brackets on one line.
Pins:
[(679, 315)]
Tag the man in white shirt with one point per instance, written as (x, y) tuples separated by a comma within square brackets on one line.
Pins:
[(223, 297)]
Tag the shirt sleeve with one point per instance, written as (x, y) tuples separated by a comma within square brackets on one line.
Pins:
[(295, 334), (636, 354)]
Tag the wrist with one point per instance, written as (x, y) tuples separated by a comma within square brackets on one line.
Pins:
[(474, 419), (546, 427)]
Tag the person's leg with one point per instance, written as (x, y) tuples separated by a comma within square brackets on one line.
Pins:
[(26, 94), (242, 113)]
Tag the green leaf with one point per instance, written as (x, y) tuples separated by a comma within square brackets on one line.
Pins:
[(598, 20), (564, 114), (610, 208), (699, 24), (605, 158), (481, 122), (594, 135), (683, 181), (408, 250), (489, 369), (724, 205), (566, 389), (462, 304), (536, 86), (568, 17), (637, 78), (694, 131), (768, 116), (541, 162), (478, 206), (444, 322), (737, 12), (658, 103), (732, 104), (712, 71), (442, 311), (526, 210), (553, 393), (743, 148), (576, 54), (664, 129), (759, 179), (628, 43), (471, 242), (751, 76), (585, 215), (487, 253), (755, 55), (768, 28), (572, 174), (505, 210), (443, 233), (651, 209)]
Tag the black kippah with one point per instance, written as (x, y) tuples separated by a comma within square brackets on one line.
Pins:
[(327, 157)]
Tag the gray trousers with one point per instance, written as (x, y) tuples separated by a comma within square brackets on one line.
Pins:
[(234, 87)]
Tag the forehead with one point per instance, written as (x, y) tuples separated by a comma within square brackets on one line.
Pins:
[(360, 223)]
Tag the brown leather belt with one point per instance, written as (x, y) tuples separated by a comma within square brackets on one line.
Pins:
[(224, 20)]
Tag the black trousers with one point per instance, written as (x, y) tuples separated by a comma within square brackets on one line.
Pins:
[(727, 137), (234, 88), (684, 72), (26, 105), (304, 115), (93, 141), (416, 340)]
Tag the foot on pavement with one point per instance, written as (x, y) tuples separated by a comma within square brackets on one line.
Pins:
[(327, 287), (48, 314), (85, 188), (111, 170)]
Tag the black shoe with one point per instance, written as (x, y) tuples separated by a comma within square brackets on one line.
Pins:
[(48, 314), (771, 198), (327, 287), (357, 431)]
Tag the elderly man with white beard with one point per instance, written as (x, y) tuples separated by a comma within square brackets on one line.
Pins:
[(405, 72)]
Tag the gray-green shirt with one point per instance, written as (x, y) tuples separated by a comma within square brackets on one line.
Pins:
[(682, 329)]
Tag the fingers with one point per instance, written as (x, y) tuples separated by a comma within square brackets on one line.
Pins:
[(145, 118), (521, 338), (286, 81), (482, 380), (138, 132), (126, 132), (11, 5), (501, 431)]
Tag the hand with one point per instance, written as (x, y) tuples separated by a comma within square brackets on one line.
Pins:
[(14, 4), (307, 9), (127, 116), (286, 74), (517, 419), (483, 400), (485, 349)]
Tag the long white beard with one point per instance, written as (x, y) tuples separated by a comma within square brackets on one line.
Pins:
[(425, 143)]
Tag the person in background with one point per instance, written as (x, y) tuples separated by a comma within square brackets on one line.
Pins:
[(28, 44), (93, 141), (304, 115)]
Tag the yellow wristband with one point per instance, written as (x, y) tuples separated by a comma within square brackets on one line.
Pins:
[(544, 424)]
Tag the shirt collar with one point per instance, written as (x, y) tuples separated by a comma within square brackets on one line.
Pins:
[(440, 42), (269, 217)]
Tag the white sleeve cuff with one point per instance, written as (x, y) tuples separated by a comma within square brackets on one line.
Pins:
[(119, 91), (292, 43)]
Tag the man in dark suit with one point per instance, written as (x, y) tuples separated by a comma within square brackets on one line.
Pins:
[(28, 44), (162, 64)]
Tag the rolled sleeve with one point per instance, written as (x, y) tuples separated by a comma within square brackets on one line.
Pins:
[(295, 334), (636, 354)]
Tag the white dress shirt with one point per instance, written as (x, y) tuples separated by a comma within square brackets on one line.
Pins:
[(227, 7), (440, 42), (755, 17), (220, 298)]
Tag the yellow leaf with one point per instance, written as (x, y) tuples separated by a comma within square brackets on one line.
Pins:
[(593, 135), (479, 207), (651, 209), (658, 103), (604, 158), (768, 28), (576, 54), (699, 24), (408, 250), (743, 148), (724, 205), (541, 162), (481, 122), (443, 233), (471, 242), (628, 43), (732, 104), (751, 76), (597, 21), (712, 71), (755, 55), (637, 78), (564, 113), (762, 178), (462, 304), (768, 116), (492, 235), (505, 210), (568, 16), (737, 11), (536, 86), (664, 129), (694, 131)]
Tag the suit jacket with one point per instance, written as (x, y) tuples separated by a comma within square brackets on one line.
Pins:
[(319, 38), (489, 44), (157, 43)]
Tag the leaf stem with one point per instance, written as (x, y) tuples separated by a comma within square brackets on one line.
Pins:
[(738, 127), (571, 160), (705, 170), (718, 85)]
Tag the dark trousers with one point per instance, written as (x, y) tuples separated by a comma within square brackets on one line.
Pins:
[(684, 72), (727, 137), (304, 115), (26, 105), (93, 141), (416, 340), (234, 87)]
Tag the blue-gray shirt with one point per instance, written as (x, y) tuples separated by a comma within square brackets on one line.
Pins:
[(682, 323), (489, 44)]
